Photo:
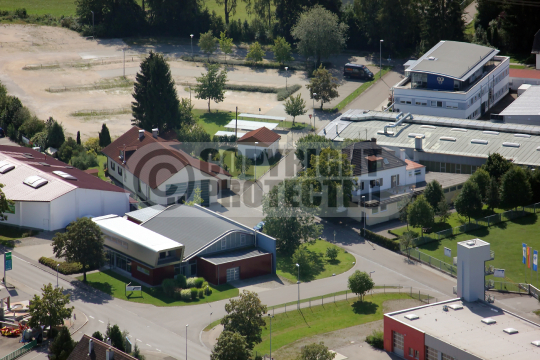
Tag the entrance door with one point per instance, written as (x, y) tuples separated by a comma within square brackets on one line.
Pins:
[(233, 274), (398, 344)]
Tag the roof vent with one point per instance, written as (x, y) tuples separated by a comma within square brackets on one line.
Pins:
[(470, 243), (479, 141), (35, 181), (381, 132), (64, 175), (522, 135), (491, 132), (44, 163), (412, 317), (414, 135), (447, 138), (141, 134), (90, 346), (511, 144), (456, 307), (5, 167), (432, 58), (28, 156), (155, 133), (536, 343), (458, 129), (510, 331), (428, 127), (488, 321)]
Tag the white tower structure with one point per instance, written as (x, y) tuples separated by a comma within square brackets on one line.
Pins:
[(471, 258)]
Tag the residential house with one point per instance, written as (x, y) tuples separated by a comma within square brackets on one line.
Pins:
[(259, 141)]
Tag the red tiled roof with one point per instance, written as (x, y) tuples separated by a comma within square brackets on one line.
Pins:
[(263, 135), (525, 73), (412, 165), (99, 351), (373, 158), (154, 160), (84, 180)]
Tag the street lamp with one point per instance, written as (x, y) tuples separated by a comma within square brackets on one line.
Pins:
[(270, 316), (255, 160), (365, 214), (191, 46), (286, 75), (93, 32), (314, 94), (298, 282), (57, 265), (380, 57), (186, 339), (124, 53), (334, 236), (189, 94), (371, 272)]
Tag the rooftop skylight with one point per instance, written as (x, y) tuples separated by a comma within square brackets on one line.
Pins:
[(458, 129), (64, 175), (35, 181), (479, 141), (511, 144), (5, 167), (413, 135), (447, 138)]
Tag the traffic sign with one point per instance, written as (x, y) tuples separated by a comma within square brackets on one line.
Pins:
[(8, 264), (310, 116)]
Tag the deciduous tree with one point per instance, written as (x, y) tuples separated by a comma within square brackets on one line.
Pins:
[(481, 178), (286, 217), (332, 253), (360, 282), (208, 43), (443, 210), (324, 85), (295, 106), (5, 205), (403, 206), (319, 33), (406, 242), (62, 345), (255, 53), (282, 50), (420, 214), (469, 200), (515, 188), (244, 316), (156, 103), (230, 346), (496, 166), (49, 309), (225, 44), (229, 7), (316, 352), (137, 353), (493, 197), (114, 333), (98, 335), (310, 145), (211, 86), (82, 243), (433, 194)]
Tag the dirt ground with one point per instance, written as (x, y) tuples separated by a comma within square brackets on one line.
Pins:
[(29, 44)]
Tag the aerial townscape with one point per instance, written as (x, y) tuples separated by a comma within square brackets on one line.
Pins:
[(269, 179)]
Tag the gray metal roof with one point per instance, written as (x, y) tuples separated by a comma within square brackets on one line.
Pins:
[(527, 103), (452, 58), (146, 213), (231, 256), (359, 152), (193, 226), (371, 124)]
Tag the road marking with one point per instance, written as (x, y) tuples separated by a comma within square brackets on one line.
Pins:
[(149, 345), (158, 350), (138, 340), (90, 316), (101, 321)]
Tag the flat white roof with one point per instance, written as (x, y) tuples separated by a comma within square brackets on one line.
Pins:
[(250, 125), (464, 329), (230, 133), (136, 233), (265, 117), (527, 103)]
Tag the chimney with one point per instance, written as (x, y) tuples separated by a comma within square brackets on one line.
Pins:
[(154, 133), (90, 346), (141, 134), (402, 154), (418, 143), (374, 140), (109, 354)]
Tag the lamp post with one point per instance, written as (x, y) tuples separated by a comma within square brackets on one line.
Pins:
[(380, 57), (189, 94), (371, 272), (93, 27), (314, 94), (124, 53), (286, 76), (191, 45), (57, 265), (270, 316), (298, 282), (186, 339), (365, 214), (255, 161)]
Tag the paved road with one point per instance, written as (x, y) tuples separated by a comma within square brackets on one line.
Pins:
[(470, 12)]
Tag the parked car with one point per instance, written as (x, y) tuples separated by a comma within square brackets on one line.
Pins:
[(357, 71), (259, 226)]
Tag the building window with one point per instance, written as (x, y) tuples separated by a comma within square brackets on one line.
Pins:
[(162, 255), (411, 352), (447, 357), (120, 170), (410, 173), (375, 210), (395, 181), (383, 207), (418, 172), (456, 84), (113, 165), (416, 354), (223, 244), (361, 185), (143, 270)]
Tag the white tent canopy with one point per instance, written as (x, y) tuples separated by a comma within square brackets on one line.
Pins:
[(250, 125), (229, 133), (265, 117)]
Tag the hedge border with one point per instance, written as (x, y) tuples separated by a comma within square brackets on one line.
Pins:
[(65, 268), (381, 240)]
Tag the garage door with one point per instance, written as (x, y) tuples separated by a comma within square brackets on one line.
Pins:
[(398, 344), (233, 274)]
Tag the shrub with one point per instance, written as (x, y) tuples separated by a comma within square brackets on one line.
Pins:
[(168, 286), (284, 93), (21, 13), (204, 285), (64, 268), (381, 240), (199, 282), (332, 252), (194, 293), (180, 281), (201, 293), (376, 339), (84, 160), (208, 291), (190, 282), (185, 295)]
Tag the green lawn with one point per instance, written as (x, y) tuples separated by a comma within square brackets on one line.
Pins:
[(8, 234), (41, 7), (505, 239), (262, 165), (323, 266), (102, 159), (453, 221), (518, 67), (216, 121), (360, 90), (295, 325), (114, 284)]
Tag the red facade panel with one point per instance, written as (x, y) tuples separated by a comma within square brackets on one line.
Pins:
[(207, 270), (249, 268), (413, 338), (154, 276)]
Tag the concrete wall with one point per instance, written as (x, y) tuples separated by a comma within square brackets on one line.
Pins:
[(523, 119), (515, 83), (448, 349)]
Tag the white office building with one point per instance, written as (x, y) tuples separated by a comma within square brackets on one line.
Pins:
[(453, 79)]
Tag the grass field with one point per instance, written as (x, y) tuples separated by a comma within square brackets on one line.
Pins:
[(359, 90), (294, 325), (505, 239), (114, 284), (324, 267), (102, 159), (216, 121), (263, 165)]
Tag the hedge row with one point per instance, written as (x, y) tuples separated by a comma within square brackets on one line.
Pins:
[(64, 268), (229, 61), (381, 240)]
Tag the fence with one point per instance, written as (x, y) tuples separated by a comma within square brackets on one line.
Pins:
[(104, 86), (89, 112), (431, 261), (477, 224), (20, 351), (56, 65)]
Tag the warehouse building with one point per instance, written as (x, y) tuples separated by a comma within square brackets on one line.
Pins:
[(525, 109)]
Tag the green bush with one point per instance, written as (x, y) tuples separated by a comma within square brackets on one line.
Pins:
[(201, 293), (208, 291), (185, 295), (168, 286), (180, 281), (381, 240), (376, 339), (199, 282), (332, 252), (64, 268), (194, 293), (190, 282), (284, 93), (84, 160), (204, 285)]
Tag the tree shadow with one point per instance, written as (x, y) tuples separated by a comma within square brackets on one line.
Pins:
[(333, 262), (364, 307)]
